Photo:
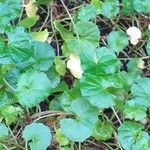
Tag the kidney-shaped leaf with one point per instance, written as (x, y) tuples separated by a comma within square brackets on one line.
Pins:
[(131, 135), (33, 87), (80, 128), (38, 135), (117, 41), (134, 110), (20, 45), (103, 130), (96, 93), (99, 61)]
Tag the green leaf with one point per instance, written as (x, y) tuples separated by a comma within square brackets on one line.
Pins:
[(12, 76), (4, 99), (134, 110), (77, 46), (68, 96), (60, 66), (96, 91), (9, 9), (99, 61), (87, 31), (40, 36), (5, 58), (33, 87), (61, 139), (3, 131), (142, 6), (43, 56), (84, 110), (103, 130), (28, 22), (75, 130), (117, 41), (82, 127), (11, 113), (20, 45), (141, 91), (38, 135), (110, 8), (98, 5), (131, 135), (65, 34), (127, 7), (42, 59), (87, 12), (45, 2)]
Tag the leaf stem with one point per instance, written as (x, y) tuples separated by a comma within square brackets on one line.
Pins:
[(8, 85), (69, 16), (116, 115)]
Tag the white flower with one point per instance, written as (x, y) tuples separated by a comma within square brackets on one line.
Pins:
[(149, 26), (74, 65), (135, 34)]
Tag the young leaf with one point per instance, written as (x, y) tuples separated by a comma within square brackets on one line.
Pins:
[(61, 139), (40, 36), (28, 22), (31, 8), (87, 12), (103, 130), (117, 41), (10, 113), (134, 110), (87, 31), (140, 90), (98, 5), (3, 131), (98, 96), (131, 135), (33, 87), (38, 135), (65, 34), (60, 66)]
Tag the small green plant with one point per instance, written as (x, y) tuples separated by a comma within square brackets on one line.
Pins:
[(67, 82)]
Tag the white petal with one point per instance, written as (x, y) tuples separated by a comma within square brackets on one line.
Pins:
[(134, 41), (74, 65), (135, 34), (149, 26)]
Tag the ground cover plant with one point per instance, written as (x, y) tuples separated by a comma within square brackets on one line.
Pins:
[(74, 75)]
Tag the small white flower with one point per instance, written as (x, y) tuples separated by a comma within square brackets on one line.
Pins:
[(74, 65), (149, 26), (135, 34)]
